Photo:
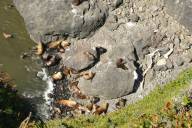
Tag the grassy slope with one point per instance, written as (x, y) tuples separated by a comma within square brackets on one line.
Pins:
[(127, 117)]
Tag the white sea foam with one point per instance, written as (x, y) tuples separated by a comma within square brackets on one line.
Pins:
[(50, 87)]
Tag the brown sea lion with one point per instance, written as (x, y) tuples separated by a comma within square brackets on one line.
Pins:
[(7, 35), (101, 109), (68, 103), (51, 60), (76, 91), (120, 63), (88, 75), (57, 76), (39, 49)]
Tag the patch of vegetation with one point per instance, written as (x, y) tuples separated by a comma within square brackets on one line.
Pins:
[(172, 115), (130, 116)]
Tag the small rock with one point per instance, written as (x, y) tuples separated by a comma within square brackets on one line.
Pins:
[(24, 55), (179, 61), (160, 68), (163, 50), (185, 45), (169, 64), (161, 62), (177, 41), (134, 18), (187, 58)]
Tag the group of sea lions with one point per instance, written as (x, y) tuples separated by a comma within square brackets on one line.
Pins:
[(51, 59)]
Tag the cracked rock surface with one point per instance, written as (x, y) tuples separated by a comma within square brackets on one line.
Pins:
[(154, 46), (48, 20)]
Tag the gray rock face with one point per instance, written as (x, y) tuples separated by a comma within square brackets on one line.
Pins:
[(109, 82), (181, 10), (46, 19)]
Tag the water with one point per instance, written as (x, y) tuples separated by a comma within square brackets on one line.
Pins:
[(22, 71)]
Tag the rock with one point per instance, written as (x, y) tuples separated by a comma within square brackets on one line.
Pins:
[(181, 11), (109, 81), (178, 61), (47, 19), (116, 3), (133, 18), (161, 62)]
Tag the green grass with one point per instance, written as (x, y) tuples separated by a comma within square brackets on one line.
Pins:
[(128, 116)]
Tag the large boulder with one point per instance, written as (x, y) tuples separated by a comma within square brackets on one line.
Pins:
[(46, 20), (109, 82), (181, 10)]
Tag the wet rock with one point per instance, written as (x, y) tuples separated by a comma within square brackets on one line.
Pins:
[(64, 19)]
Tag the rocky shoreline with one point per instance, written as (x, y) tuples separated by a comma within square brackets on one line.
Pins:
[(125, 50)]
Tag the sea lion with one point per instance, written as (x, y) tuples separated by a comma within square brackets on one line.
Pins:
[(61, 49), (7, 35), (120, 63), (89, 107), (65, 44), (68, 103), (76, 91), (88, 75), (57, 76), (60, 45), (52, 60), (39, 49), (68, 71), (101, 109), (54, 44)]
